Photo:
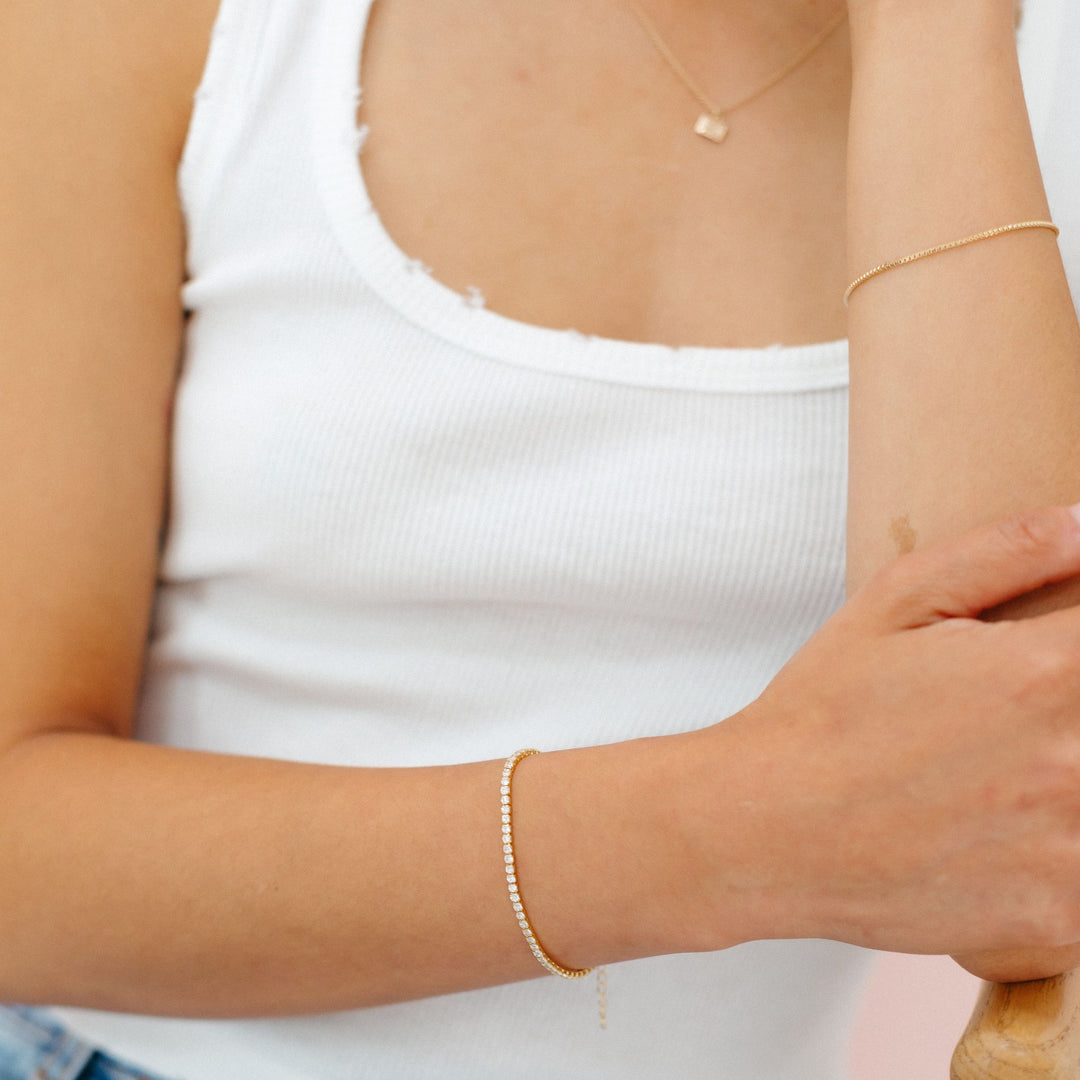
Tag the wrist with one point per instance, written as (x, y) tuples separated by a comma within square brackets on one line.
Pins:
[(741, 876), (609, 850), (685, 808)]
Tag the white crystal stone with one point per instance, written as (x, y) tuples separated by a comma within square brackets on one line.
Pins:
[(711, 127)]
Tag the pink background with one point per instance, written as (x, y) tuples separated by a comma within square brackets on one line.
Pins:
[(913, 1013)]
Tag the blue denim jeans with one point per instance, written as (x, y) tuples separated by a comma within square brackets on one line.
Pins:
[(34, 1047)]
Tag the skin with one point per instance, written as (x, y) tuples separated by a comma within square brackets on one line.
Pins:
[(965, 385), (667, 224), (794, 818)]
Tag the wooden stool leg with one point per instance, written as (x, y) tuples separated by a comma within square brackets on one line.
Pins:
[(1023, 1031)]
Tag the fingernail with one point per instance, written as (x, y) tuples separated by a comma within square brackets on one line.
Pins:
[(1075, 511)]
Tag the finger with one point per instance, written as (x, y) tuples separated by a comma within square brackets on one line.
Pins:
[(965, 576), (1053, 639)]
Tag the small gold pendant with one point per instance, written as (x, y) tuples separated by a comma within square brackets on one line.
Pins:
[(713, 128)]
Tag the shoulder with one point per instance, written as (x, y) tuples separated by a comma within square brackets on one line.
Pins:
[(121, 66)]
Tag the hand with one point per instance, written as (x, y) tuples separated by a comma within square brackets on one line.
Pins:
[(910, 781)]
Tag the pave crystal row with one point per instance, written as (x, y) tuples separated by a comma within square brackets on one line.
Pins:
[(511, 873)]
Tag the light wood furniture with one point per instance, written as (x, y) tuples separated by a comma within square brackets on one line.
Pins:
[(1023, 1031)]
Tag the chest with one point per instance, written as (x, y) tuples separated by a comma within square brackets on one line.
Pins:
[(544, 156)]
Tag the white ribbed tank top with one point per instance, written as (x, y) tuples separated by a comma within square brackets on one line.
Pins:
[(406, 530)]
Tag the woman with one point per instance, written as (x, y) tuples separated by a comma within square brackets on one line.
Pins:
[(409, 533)]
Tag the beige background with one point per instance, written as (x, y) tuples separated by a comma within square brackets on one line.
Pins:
[(913, 1012)]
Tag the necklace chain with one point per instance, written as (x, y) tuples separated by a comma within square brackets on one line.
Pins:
[(712, 124)]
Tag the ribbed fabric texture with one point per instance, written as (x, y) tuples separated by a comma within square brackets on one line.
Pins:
[(407, 531)]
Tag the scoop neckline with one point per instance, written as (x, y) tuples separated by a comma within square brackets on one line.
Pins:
[(408, 287)]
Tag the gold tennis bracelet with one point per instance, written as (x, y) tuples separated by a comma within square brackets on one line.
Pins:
[(511, 873)]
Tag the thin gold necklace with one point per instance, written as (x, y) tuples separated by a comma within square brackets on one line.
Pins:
[(712, 124)]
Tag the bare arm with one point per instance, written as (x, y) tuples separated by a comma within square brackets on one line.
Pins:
[(197, 884), (206, 885), (966, 366)]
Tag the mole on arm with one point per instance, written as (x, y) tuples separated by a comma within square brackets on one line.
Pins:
[(903, 534)]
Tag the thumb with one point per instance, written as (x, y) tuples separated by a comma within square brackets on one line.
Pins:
[(965, 576)]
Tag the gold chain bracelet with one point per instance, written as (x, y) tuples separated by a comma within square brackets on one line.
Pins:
[(988, 235)]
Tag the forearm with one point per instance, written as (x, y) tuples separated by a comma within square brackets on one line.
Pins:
[(144, 879), (965, 367)]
